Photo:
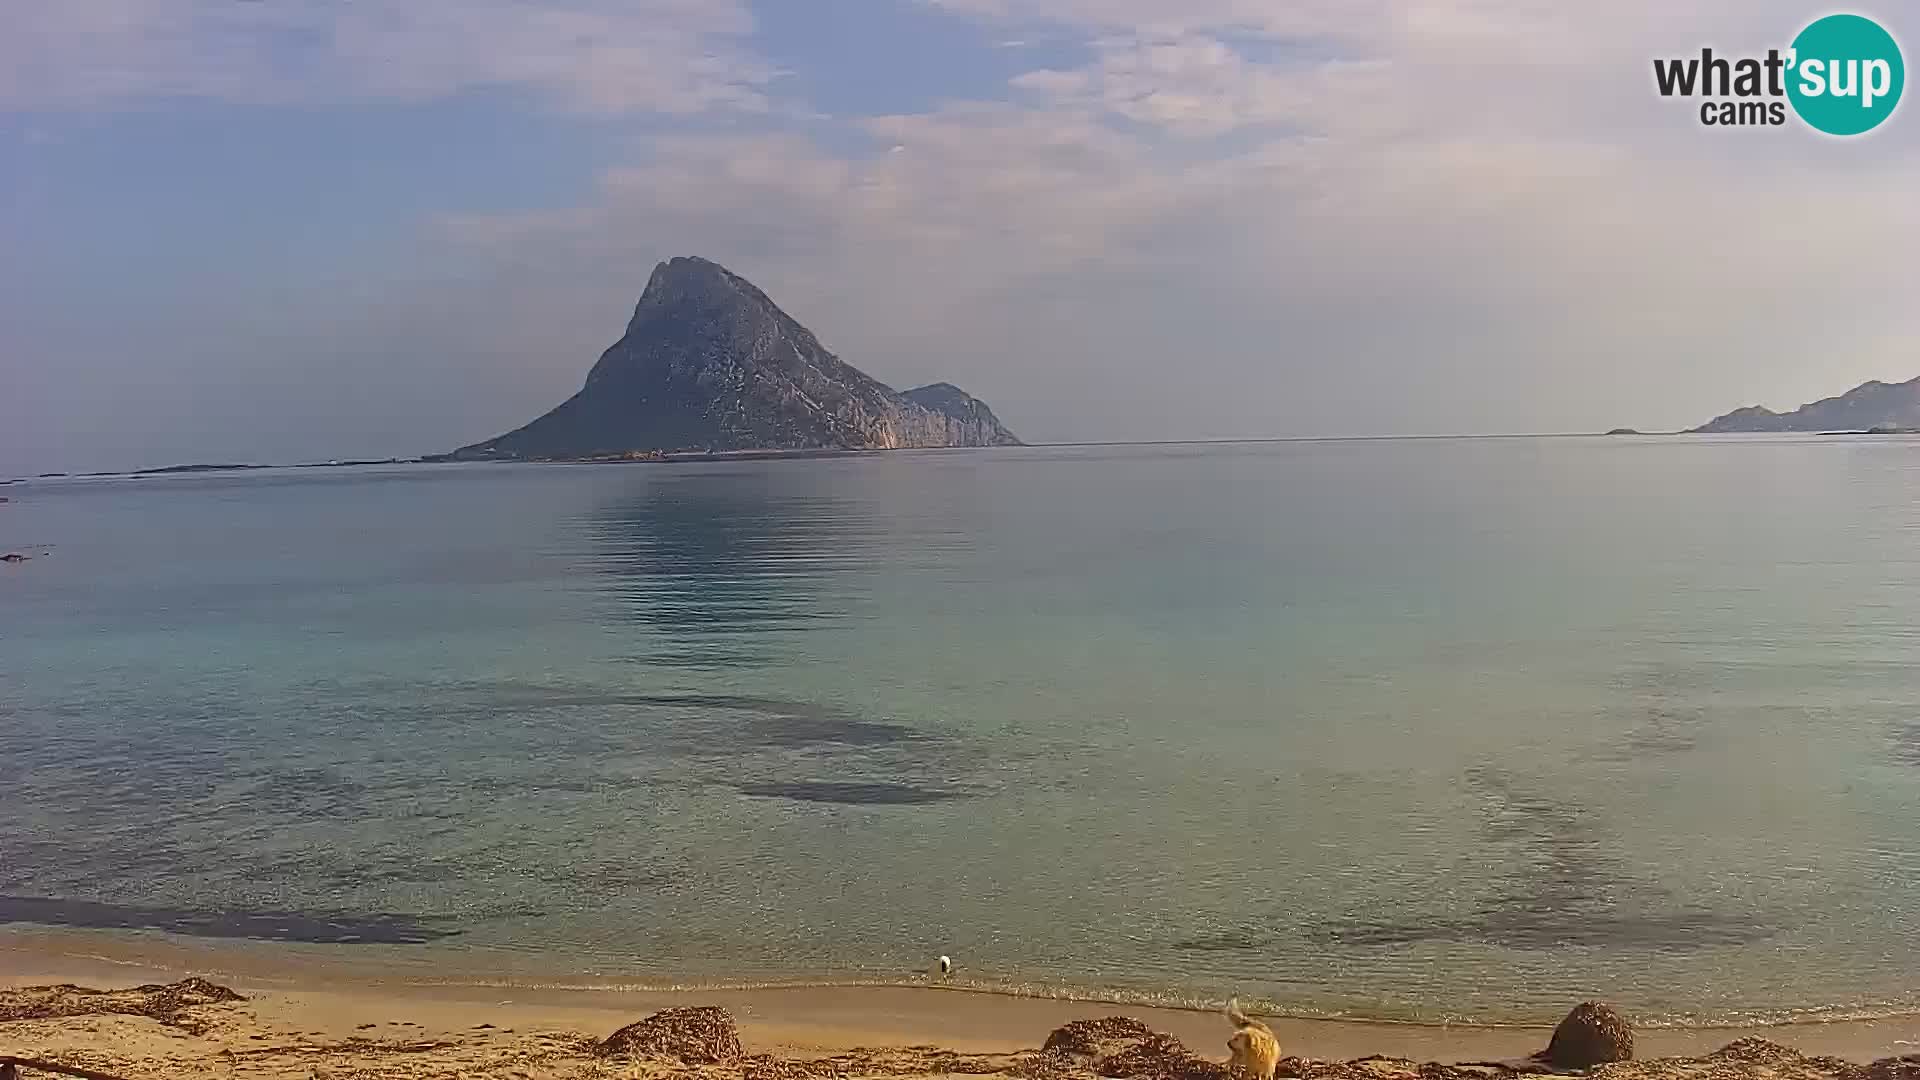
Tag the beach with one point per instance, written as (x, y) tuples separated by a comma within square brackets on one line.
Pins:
[(304, 1017)]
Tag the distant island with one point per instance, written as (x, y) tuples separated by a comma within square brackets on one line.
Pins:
[(171, 470), (242, 468), (709, 364), (1874, 408)]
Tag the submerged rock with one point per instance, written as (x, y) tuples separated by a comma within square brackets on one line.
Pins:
[(695, 1035)]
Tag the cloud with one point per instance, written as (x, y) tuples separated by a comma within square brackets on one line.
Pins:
[(1032, 193), (1469, 216), (1341, 18), (669, 56), (1188, 84), (1228, 219)]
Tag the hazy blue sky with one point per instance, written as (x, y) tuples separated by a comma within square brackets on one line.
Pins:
[(296, 229)]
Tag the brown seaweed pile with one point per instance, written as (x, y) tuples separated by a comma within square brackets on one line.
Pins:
[(173, 1004), (1592, 1034), (699, 1035), (703, 1043), (1118, 1046)]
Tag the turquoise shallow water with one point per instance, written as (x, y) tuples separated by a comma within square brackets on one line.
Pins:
[(1461, 728)]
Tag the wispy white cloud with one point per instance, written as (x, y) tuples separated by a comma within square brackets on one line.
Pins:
[(1471, 214), (1235, 217), (1343, 18), (673, 56), (1185, 83)]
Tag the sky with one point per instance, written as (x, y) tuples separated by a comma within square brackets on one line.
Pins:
[(288, 230)]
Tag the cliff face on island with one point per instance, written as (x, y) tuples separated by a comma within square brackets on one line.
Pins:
[(969, 421), (1865, 407), (708, 362)]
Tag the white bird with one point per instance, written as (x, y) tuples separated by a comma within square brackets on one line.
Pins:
[(946, 965)]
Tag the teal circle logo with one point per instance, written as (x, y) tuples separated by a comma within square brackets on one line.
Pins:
[(1846, 74)]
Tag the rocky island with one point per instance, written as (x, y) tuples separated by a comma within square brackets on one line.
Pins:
[(1872, 407), (710, 364)]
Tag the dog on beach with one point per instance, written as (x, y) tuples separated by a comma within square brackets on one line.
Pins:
[(1254, 1052)]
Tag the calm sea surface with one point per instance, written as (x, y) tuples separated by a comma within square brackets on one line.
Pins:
[(1467, 728)]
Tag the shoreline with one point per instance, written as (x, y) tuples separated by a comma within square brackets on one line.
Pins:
[(309, 989), (408, 962)]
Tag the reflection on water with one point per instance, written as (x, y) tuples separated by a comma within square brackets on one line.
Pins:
[(715, 562), (1462, 727)]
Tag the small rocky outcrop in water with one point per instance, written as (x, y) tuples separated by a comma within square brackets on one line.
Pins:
[(1592, 1034), (697, 1035), (1120, 1046), (709, 362)]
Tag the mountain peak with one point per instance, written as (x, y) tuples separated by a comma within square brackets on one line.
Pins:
[(684, 270), (689, 278), (709, 362)]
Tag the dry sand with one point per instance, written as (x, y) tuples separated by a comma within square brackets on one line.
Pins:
[(311, 1019)]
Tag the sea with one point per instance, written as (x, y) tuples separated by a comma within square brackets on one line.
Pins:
[(1458, 730)]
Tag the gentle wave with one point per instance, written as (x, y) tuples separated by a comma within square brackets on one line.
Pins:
[(1179, 1000)]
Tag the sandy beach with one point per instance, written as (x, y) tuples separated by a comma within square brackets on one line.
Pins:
[(303, 1017)]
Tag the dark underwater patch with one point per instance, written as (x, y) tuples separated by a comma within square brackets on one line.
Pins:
[(1224, 941), (849, 793), (329, 929), (1564, 885), (1519, 928)]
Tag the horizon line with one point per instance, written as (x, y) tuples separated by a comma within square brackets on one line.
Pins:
[(1070, 444)]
